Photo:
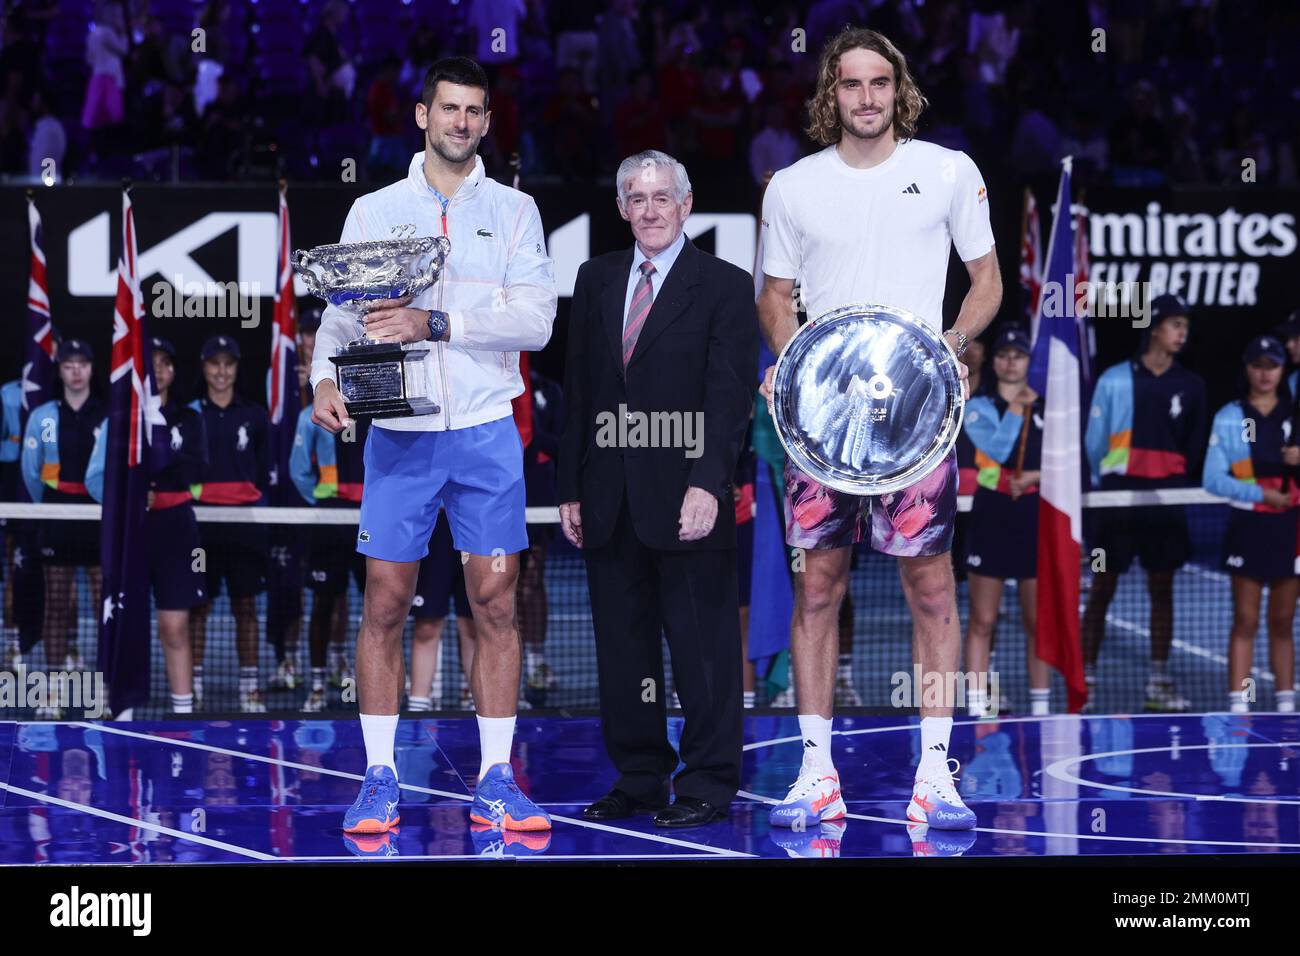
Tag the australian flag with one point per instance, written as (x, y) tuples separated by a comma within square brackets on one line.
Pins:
[(137, 447), (41, 344)]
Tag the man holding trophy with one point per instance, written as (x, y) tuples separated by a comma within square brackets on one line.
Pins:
[(442, 356), (871, 219)]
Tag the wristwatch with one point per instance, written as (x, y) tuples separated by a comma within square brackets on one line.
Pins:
[(961, 340), (437, 325)]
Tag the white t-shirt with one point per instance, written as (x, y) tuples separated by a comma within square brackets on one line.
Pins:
[(879, 235)]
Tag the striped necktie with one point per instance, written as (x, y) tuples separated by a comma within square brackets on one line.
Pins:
[(642, 299)]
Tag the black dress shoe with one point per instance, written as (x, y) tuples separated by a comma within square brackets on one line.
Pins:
[(689, 812), (616, 805)]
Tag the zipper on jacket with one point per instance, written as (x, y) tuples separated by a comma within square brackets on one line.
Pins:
[(442, 366)]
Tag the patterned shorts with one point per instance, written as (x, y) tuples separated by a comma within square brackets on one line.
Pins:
[(910, 523)]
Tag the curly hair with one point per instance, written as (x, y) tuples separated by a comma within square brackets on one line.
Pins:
[(823, 111)]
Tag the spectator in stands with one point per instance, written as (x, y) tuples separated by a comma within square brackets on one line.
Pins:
[(775, 147), (1139, 140), (639, 119), (106, 45), (714, 123), (495, 27), (224, 133), (1249, 462), (332, 74), (618, 55), (573, 122), (386, 113), (49, 140), (57, 447)]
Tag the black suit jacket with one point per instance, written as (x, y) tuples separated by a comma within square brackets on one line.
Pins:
[(697, 356)]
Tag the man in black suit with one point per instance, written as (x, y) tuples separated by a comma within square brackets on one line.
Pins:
[(662, 361)]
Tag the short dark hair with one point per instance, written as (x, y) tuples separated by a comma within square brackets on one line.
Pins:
[(460, 70)]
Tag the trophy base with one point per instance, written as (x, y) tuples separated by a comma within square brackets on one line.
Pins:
[(383, 380), (392, 408)]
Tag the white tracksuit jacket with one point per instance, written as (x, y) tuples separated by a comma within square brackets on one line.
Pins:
[(497, 288)]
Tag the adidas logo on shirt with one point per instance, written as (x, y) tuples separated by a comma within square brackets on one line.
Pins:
[(912, 189)]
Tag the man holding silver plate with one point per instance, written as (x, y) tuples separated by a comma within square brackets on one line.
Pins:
[(443, 357), (867, 397)]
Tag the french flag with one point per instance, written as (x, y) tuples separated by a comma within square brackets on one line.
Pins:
[(1055, 373)]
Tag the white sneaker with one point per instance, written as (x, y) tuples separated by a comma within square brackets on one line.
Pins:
[(935, 801), (250, 702), (814, 797), (285, 676)]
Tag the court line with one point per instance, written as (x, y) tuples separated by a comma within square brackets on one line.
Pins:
[(132, 821), (587, 824), (1058, 771)]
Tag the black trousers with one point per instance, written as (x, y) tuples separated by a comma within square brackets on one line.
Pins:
[(638, 594)]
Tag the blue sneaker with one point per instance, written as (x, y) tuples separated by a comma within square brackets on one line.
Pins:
[(377, 845), (935, 801), (498, 802), (376, 808)]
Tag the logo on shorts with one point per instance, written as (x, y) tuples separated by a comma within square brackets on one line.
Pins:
[(363, 536), (974, 560), (1235, 561)]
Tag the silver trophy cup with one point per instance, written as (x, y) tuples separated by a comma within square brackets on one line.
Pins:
[(867, 399), (376, 379)]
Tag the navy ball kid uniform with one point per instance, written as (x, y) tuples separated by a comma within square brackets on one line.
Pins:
[(329, 472), (441, 578), (237, 473), (1002, 539), (57, 447), (1144, 431), (1260, 541)]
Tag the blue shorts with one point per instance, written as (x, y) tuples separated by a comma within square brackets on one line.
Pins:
[(476, 474)]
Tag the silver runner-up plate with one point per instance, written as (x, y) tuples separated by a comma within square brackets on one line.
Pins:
[(867, 399)]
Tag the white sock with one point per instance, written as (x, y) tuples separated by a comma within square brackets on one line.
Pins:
[(749, 699), (1237, 703), (935, 732), (495, 737), (844, 667), (182, 703), (420, 705), (1040, 699), (816, 732), (978, 702), (318, 678), (534, 660), (1286, 702), (379, 731), (247, 680)]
